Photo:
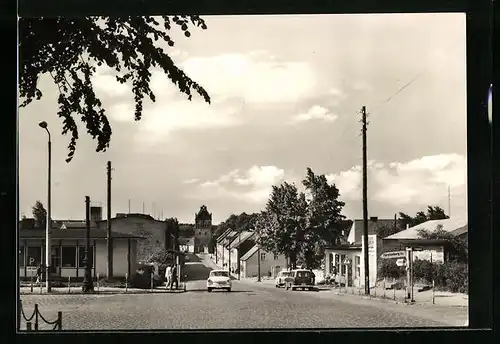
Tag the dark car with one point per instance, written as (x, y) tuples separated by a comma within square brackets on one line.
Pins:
[(300, 279)]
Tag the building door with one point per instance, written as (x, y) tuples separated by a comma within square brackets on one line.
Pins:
[(55, 262)]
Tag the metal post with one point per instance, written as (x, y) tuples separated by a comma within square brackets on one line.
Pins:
[(59, 320), (31, 282), (394, 289), (384, 288), (88, 285), (411, 276), (97, 282), (109, 247), (36, 317), (28, 326), (126, 281), (69, 285), (152, 282)]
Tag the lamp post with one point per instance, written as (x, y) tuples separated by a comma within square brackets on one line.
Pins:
[(88, 285), (48, 224)]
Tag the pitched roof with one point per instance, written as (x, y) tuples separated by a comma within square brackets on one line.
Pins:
[(250, 253), (357, 227), (449, 225), (224, 234), (240, 239), (229, 238), (133, 215), (72, 234)]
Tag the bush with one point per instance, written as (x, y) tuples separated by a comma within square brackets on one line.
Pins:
[(141, 279), (389, 269), (424, 270)]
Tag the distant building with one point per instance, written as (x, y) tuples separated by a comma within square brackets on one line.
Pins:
[(203, 230), (270, 264)]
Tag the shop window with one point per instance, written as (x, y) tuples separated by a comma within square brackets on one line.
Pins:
[(337, 262), (262, 256), (21, 256), (81, 256), (344, 267), (357, 262), (68, 257), (34, 256)]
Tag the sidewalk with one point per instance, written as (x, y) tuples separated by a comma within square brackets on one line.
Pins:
[(101, 290)]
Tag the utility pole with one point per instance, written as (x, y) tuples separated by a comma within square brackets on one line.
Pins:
[(108, 232), (87, 285), (365, 206), (258, 263)]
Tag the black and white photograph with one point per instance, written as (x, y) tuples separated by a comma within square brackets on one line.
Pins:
[(215, 172)]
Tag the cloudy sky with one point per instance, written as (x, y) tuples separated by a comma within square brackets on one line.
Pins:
[(287, 92)]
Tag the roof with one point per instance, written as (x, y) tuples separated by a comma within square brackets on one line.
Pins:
[(186, 241), (133, 215), (224, 234), (250, 253), (230, 237), (241, 238), (357, 226), (354, 246), (450, 225), (72, 234), (203, 214)]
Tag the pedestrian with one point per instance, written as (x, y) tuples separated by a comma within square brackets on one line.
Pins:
[(174, 278), (334, 274), (168, 275), (39, 273)]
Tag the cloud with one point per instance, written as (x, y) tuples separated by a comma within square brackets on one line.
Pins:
[(314, 113), (360, 85), (420, 181), (191, 181), (254, 77), (104, 81), (253, 185)]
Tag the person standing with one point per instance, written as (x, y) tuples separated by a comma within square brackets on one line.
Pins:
[(168, 275), (174, 277)]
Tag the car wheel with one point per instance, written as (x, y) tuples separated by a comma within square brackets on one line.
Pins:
[(228, 290), (293, 289), (209, 290)]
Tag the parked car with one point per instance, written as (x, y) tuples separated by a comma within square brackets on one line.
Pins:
[(219, 279), (300, 278), (282, 278)]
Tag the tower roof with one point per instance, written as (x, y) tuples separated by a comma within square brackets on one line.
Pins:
[(203, 214)]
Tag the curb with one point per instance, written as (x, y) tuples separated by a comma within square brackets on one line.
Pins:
[(105, 292)]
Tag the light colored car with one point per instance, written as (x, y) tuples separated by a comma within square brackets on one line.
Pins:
[(283, 277), (219, 279)]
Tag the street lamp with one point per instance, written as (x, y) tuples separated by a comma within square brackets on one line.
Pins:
[(88, 285), (48, 224)]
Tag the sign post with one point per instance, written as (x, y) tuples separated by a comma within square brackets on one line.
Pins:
[(408, 273)]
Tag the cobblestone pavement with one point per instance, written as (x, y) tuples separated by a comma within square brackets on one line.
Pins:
[(248, 306)]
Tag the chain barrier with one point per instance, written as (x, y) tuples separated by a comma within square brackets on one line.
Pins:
[(37, 315)]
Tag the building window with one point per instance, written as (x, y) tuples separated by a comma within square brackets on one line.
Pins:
[(21, 256), (81, 256), (276, 257), (344, 267), (337, 263), (34, 256), (68, 257), (357, 262), (262, 256)]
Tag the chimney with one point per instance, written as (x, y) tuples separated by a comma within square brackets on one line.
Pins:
[(95, 213), (373, 218)]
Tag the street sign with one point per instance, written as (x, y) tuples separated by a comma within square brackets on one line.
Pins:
[(401, 262), (31, 268), (393, 255), (418, 248)]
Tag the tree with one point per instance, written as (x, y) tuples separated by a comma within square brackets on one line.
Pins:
[(324, 219), (433, 213), (172, 227), (281, 227), (385, 231), (69, 49), (239, 223), (39, 214)]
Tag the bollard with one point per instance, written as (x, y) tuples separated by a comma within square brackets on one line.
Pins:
[(152, 280), (69, 284), (97, 282), (59, 320), (28, 326), (384, 289), (433, 299), (31, 283), (36, 316), (126, 281), (394, 289)]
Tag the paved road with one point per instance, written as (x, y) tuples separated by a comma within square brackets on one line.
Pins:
[(249, 305)]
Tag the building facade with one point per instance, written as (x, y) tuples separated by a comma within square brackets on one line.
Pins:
[(68, 252), (203, 230), (270, 264)]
